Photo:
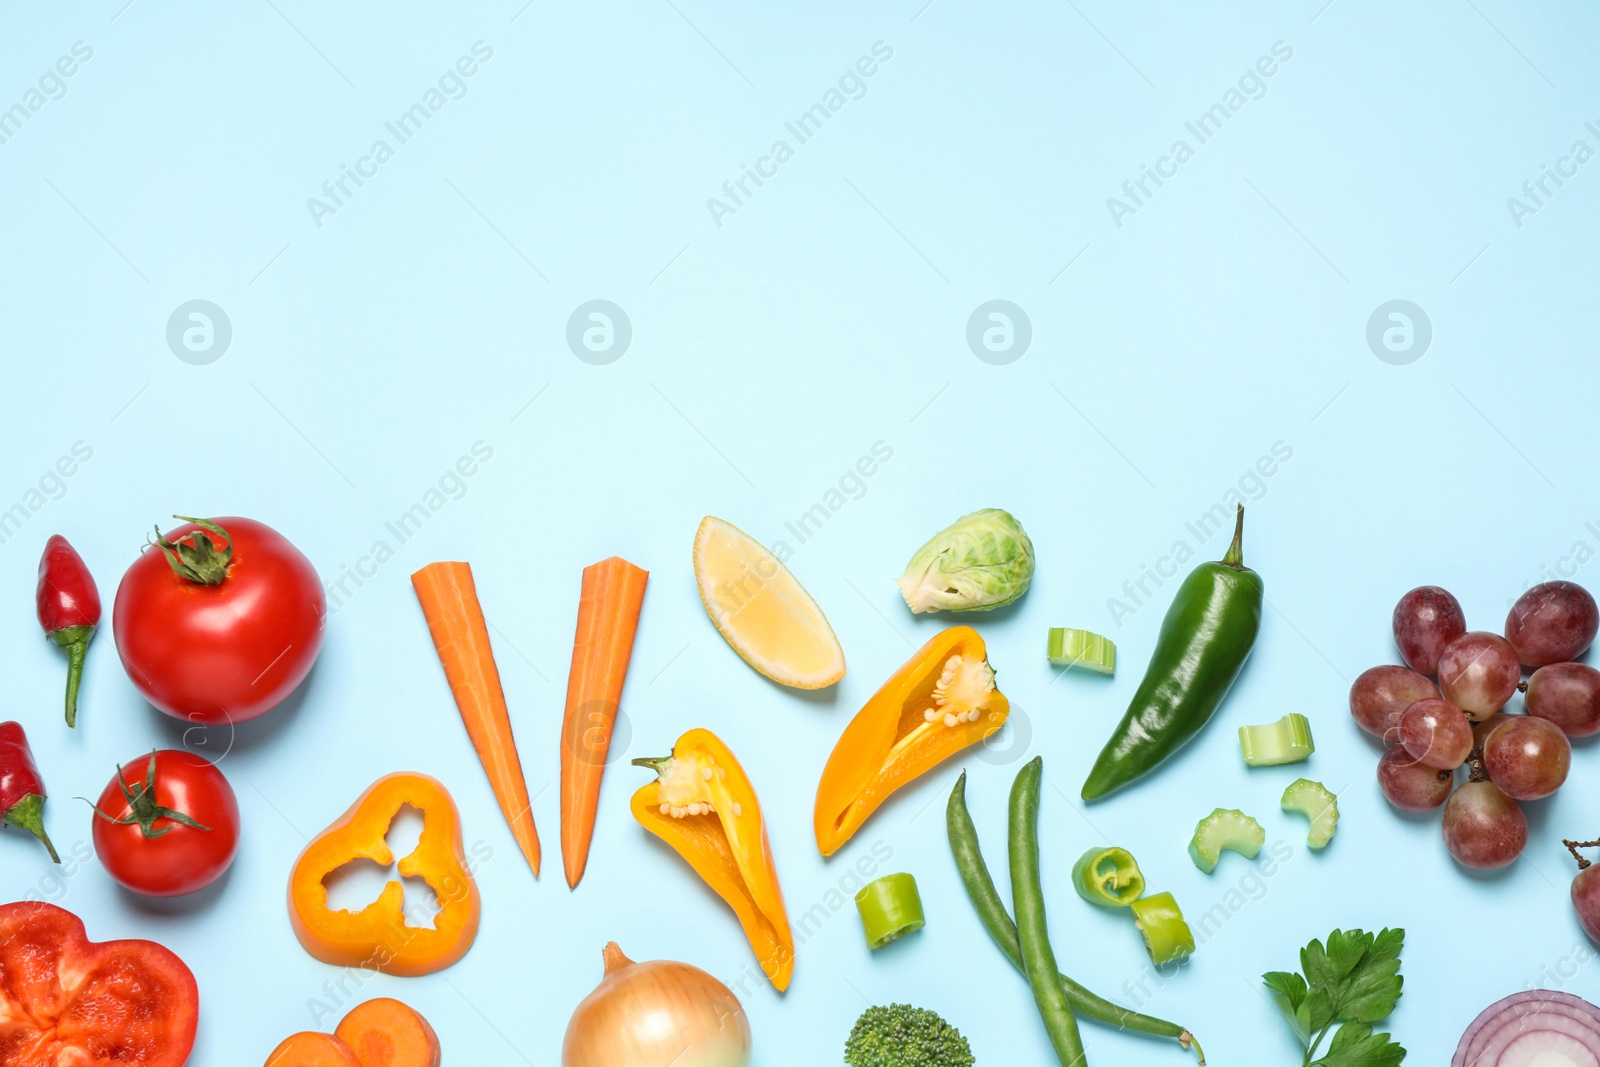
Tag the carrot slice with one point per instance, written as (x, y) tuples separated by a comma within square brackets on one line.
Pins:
[(608, 616), (387, 1033), (450, 602), (312, 1049)]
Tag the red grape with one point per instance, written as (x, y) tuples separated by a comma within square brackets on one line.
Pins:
[(1436, 733), (1527, 757), (1381, 693), (1482, 729), (1425, 620), (1552, 623), (1409, 785), (1586, 890), (1483, 828), (1567, 694), (1478, 672)]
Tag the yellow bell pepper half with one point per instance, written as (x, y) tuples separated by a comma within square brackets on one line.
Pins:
[(704, 806), (941, 701)]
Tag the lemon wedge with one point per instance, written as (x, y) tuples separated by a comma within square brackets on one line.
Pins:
[(762, 611)]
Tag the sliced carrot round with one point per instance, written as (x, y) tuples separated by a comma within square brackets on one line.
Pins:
[(312, 1049), (386, 1033)]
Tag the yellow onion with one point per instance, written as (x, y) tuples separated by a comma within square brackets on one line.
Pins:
[(656, 1014)]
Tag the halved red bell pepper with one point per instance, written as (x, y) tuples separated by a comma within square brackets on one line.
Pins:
[(941, 701), (67, 1000)]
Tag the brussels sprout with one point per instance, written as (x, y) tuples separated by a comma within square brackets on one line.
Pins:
[(980, 561)]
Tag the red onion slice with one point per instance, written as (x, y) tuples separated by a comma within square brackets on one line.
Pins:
[(1538, 1028)]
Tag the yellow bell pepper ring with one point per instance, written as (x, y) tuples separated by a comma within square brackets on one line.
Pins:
[(378, 937)]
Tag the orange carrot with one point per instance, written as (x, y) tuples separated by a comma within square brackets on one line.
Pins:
[(608, 615), (387, 1033), (312, 1049), (450, 601)]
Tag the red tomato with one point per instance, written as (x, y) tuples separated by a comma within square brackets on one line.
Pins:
[(180, 858), (65, 999), (223, 652)]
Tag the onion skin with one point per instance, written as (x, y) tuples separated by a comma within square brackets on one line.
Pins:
[(1520, 1027), (656, 1014)]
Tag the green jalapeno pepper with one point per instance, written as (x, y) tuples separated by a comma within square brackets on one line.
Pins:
[(1166, 936), (890, 908), (1206, 636), (1109, 877)]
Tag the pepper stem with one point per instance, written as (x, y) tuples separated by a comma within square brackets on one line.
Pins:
[(28, 814), (1186, 1039), (1574, 846), (1234, 557), (74, 640), (657, 764), (614, 958)]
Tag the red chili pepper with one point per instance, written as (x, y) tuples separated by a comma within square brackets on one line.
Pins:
[(69, 609), (21, 788)]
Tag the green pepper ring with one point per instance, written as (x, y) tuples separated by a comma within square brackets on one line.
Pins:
[(1167, 936), (1108, 877), (890, 908)]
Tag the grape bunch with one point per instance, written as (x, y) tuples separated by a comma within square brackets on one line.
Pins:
[(1435, 730)]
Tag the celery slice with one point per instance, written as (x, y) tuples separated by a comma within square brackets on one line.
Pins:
[(1082, 648), (1225, 828), (1315, 802), (1286, 741)]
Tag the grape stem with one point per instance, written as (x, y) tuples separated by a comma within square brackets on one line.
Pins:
[(1475, 768), (1574, 846), (1522, 686)]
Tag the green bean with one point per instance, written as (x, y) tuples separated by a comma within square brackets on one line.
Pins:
[(997, 921), (1027, 897)]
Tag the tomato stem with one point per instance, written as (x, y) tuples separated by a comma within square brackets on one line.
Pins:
[(194, 557), (143, 809)]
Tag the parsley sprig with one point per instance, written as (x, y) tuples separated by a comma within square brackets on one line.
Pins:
[(1352, 982)]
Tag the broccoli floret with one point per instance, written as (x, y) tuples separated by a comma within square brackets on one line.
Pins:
[(902, 1036)]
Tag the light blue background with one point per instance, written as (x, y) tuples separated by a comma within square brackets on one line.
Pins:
[(768, 354)]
